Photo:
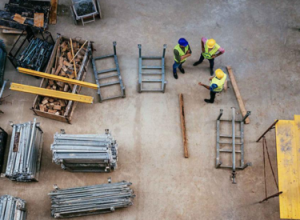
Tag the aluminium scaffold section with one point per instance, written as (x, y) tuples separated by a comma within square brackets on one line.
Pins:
[(160, 72), (106, 76), (221, 145)]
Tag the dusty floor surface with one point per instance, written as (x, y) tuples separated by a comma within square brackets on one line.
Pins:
[(261, 39)]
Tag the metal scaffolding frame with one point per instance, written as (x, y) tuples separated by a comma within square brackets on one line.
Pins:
[(118, 74), (233, 150), (161, 67)]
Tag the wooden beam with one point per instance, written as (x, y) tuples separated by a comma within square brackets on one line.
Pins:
[(183, 128), (51, 93), (237, 94), (53, 12)]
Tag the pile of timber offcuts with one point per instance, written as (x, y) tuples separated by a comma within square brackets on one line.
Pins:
[(68, 62)]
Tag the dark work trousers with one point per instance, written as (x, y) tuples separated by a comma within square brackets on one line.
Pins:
[(212, 96), (211, 61)]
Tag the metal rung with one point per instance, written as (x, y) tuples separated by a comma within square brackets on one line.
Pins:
[(103, 57), (227, 136), (151, 67), (105, 77), (107, 71), (229, 151), (150, 58), (230, 167), (51, 93), (152, 80), (151, 73), (114, 97), (228, 143), (109, 84), (151, 90)]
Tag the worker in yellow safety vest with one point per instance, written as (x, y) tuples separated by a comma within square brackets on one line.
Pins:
[(181, 51), (210, 50), (217, 84)]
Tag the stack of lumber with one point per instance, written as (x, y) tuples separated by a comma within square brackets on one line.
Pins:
[(65, 66), (12, 208)]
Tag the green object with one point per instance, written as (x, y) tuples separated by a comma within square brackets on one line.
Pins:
[(181, 52), (3, 54), (219, 83), (206, 54)]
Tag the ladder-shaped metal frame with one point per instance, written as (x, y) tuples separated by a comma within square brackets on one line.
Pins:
[(233, 151), (141, 73), (118, 74)]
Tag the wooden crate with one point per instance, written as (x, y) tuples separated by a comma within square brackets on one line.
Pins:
[(67, 117)]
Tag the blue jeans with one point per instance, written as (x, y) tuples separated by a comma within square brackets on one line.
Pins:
[(176, 65)]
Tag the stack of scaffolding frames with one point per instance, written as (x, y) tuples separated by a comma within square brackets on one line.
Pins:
[(160, 72), (102, 72), (12, 208), (25, 151), (85, 152)]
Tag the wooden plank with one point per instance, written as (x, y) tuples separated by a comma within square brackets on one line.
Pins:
[(51, 93), (53, 12), (288, 157), (39, 19), (18, 18), (237, 94), (183, 128), (12, 31)]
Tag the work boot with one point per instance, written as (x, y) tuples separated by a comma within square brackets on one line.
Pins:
[(181, 70), (211, 72), (175, 75), (197, 63), (208, 101)]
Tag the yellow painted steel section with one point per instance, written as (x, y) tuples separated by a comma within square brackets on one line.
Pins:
[(51, 93), (288, 162), (58, 78)]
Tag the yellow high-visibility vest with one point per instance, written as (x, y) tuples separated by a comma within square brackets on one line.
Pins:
[(206, 54), (219, 82), (181, 51)]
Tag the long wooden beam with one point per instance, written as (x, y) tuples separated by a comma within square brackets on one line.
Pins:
[(237, 94), (51, 93), (183, 128), (57, 78)]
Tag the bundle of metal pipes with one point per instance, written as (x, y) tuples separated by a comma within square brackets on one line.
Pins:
[(24, 152), (90, 200), (85, 152), (12, 208), (36, 55)]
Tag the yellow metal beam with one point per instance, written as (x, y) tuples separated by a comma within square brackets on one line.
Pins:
[(51, 93), (57, 78)]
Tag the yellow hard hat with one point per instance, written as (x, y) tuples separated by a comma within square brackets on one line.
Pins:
[(211, 43), (219, 73)]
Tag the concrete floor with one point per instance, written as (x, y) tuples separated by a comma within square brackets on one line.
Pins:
[(261, 39)]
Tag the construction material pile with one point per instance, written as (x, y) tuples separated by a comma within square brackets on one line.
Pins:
[(36, 55), (90, 200), (85, 152), (23, 161), (12, 208), (65, 66)]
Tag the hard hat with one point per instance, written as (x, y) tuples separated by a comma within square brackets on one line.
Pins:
[(183, 42), (211, 43), (219, 73)]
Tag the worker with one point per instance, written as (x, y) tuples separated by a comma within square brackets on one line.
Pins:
[(217, 83), (181, 51), (210, 50)]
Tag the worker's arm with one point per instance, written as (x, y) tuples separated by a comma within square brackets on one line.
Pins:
[(202, 45), (185, 56), (221, 51), (205, 86)]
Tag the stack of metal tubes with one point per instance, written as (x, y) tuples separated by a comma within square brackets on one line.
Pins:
[(85, 152), (36, 55), (12, 208), (24, 152), (90, 200)]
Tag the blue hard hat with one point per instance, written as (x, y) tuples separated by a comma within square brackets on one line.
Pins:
[(183, 42)]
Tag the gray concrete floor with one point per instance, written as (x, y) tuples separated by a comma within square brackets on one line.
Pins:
[(261, 39)]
